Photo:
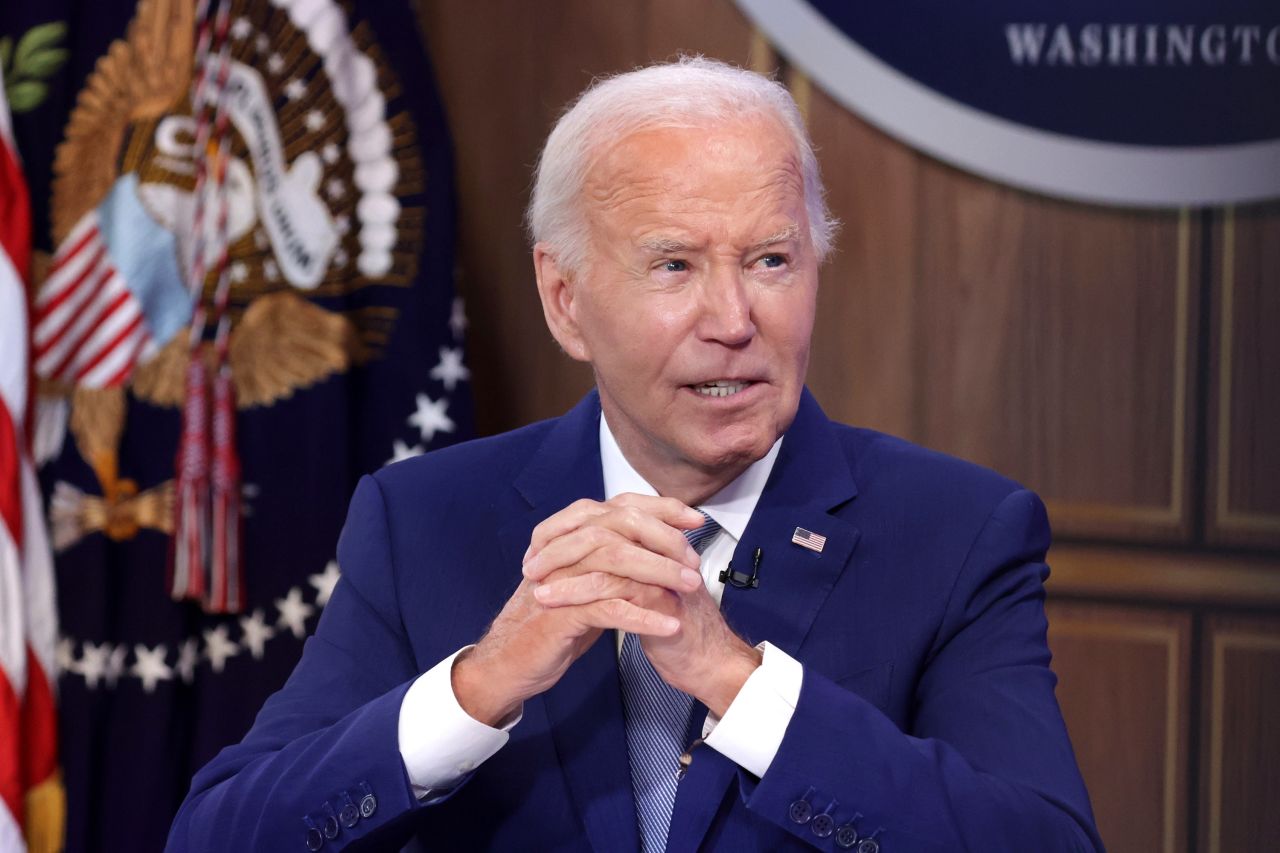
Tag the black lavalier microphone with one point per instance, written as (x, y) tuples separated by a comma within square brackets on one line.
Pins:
[(742, 580)]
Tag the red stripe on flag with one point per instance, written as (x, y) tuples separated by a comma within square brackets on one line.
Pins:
[(15, 211), (10, 755), (64, 255), (103, 312), (109, 347), (79, 289), (10, 482), (39, 726)]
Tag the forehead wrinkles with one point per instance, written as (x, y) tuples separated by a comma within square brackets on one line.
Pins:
[(634, 187)]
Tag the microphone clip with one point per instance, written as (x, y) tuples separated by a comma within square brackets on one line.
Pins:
[(742, 580)]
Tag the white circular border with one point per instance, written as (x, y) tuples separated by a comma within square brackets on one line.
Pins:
[(1037, 160)]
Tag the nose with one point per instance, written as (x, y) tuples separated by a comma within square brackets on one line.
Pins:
[(726, 308)]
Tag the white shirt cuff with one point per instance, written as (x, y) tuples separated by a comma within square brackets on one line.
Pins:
[(439, 741), (753, 725)]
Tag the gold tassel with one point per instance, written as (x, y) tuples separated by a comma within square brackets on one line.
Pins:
[(46, 816)]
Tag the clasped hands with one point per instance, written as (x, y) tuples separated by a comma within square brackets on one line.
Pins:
[(594, 566)]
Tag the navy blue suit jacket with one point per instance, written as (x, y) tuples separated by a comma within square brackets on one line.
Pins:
[(927, 709)]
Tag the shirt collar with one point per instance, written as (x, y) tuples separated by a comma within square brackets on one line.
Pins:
[(731, 507)]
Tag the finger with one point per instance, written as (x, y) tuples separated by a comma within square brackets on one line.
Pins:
[(625, 616), (568, 519), (617, 525), (667, 510), (673, 512), (570, 590), (598, 549)]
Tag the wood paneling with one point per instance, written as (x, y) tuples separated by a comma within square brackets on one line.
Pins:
[(1124, 691), (1241, 740), (1056, 344), (1243, 500), (863, 361), (1165, 576)]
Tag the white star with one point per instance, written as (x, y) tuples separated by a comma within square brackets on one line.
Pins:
[(295, 89), (270, 270), (218, 647), (314, 120), (342, 223), (260, 238), (238, 271), (188, 656), (450, 370), (115, 665), (256, 633), (340, 258), (458, 318), (294, 612), (275, 63), (151, 667), (325, 581), (430, 417), (65, 654), (401, 451), (241, 28), (261, 42), (94, 663), (335, 188), (330, 153)]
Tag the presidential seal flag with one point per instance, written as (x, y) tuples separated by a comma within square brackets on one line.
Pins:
[(243, 301)]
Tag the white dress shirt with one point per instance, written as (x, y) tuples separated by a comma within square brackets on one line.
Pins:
[(441, 743)]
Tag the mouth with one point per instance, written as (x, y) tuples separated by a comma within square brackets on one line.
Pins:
[(722, 387)]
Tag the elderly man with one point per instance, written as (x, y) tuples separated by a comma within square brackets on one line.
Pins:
[(692, 613)]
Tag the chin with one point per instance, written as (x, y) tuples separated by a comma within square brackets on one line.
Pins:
[(721, 452)]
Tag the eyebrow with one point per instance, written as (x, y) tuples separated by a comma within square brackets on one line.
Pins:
[(672, 246), (787, 234), (665, 246)]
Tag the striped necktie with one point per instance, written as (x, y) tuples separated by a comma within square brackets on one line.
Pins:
[(657, 717)]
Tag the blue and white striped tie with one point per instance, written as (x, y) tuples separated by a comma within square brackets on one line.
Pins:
[(657, 717)]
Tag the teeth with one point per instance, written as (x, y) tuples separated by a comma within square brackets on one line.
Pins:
[(720, 388)]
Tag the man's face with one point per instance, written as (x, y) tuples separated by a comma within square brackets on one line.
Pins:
[(696, 303)]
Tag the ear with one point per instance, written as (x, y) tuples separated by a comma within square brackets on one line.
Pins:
[(558, 291)]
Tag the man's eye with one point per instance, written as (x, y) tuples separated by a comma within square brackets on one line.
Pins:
[(773, 261), (674, 266)]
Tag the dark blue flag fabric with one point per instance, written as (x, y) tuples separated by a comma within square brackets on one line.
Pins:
[(331, 191)]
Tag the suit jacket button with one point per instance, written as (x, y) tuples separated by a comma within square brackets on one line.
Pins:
[(368, 805), (330, 827), (800, 811), (869, 845), (350, 815), (846, 836), (314, 839), (822, 826)]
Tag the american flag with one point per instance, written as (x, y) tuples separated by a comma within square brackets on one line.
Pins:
[(31, 795), (88, 327), (809, 539)]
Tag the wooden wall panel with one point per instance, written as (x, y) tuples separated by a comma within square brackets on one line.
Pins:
[(1243, 500), (1057, 344), (1240, 801), (863, 361), (1124, 691)]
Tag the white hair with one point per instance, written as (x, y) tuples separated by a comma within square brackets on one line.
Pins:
[(692, 92)]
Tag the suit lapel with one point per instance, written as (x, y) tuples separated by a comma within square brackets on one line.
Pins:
[(810, 478), (585, 707)]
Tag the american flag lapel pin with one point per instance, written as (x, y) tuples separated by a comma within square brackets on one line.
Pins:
[(808, 539)]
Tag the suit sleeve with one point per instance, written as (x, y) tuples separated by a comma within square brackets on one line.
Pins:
[(323, 753), (986, 764)]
